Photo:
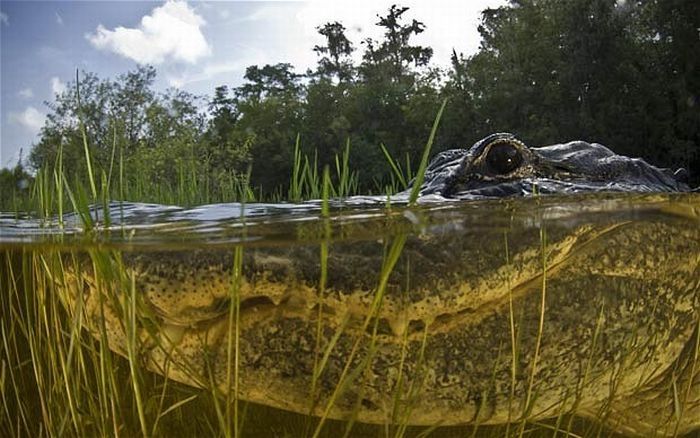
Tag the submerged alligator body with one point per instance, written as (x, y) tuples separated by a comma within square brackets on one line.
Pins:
[(594, 318)]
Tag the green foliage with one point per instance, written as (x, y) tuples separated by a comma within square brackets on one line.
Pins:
[(335, 56), (392, 57), (270, 106), (625, 74), (14, 187), (598, 70)]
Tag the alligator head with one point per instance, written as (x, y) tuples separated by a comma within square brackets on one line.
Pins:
[(501, 165)]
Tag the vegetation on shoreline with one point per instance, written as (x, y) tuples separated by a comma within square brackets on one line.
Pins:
[(624, 74)]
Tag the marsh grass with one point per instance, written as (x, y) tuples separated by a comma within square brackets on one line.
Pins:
[(79, 386), (59, 380), (400, 175)]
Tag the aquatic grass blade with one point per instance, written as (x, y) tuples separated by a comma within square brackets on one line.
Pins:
[(83, 132), (420, 174), (346, 374), (395, 167)]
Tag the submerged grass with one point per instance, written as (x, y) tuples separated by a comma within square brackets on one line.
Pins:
[(530, 394), (348, 375), (74, 382), (57, 380)]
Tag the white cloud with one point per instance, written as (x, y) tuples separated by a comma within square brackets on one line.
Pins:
[(57, 87), (31, 118), (173, 30), (26, 93), (4, 19), (59, 19)]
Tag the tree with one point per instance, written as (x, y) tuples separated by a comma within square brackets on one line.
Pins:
[(272, 81), (668, 35), (325, 127), (393, 73), (625, 74), (392, 57), (270, 112), (14, 185), (62, 130), (335, 56), (170, 141), (132, 96), (224, 150)]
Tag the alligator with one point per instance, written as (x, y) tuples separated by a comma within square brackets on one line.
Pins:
[(449, 325), (501, 165)]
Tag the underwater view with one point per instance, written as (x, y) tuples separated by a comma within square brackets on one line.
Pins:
[(558, 315), (359, 219)]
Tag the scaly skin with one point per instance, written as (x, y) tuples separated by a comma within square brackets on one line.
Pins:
[(599, 319), (618, 338)]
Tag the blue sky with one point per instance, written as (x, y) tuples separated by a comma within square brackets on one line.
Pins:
[(194, 46)]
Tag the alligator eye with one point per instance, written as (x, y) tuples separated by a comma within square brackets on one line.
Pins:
[(503, 158)]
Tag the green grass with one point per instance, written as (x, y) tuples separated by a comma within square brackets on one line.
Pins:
[(57, 379)]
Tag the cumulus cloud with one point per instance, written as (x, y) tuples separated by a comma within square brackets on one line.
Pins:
[(26, 93), (31, 119), (171, 31), (4, 19), (57, 87)]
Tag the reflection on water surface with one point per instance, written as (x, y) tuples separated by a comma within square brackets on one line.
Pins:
[(515, 312)]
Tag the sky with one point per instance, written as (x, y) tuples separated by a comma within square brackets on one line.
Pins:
[(195, 46)]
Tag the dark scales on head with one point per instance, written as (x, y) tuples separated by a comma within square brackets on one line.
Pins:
[(501, 165)]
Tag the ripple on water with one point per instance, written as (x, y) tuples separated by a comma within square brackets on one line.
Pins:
[(142, 225)]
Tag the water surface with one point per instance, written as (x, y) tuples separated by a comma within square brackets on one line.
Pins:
[(140, 225), (447, 243)]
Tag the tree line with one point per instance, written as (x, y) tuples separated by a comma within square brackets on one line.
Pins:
[(622, 73)]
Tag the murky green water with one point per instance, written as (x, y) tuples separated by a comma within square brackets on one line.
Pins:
[(379, 320)]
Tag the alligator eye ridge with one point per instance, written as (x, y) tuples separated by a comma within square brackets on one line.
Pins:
[(503, 158)]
